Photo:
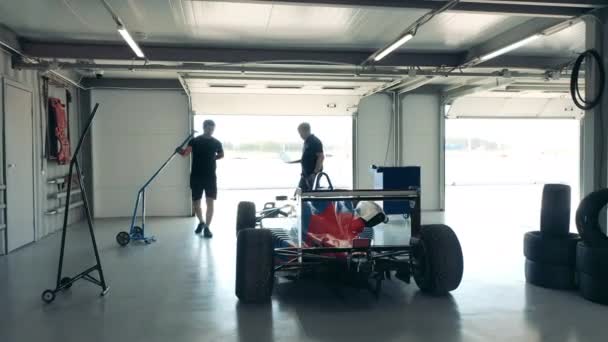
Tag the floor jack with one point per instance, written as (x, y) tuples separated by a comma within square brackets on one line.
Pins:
[(138, 233)]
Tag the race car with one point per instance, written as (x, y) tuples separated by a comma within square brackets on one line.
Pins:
[(346, 235)]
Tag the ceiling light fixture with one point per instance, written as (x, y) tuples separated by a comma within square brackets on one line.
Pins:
[(127, 37), (509, 48), (393, 47)]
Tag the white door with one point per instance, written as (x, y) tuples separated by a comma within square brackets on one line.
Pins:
[(19, 166)]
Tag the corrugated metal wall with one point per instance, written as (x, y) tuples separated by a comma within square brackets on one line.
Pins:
[(44, 170)]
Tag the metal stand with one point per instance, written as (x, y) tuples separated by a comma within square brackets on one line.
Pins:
[(64, 283), (138, 233)]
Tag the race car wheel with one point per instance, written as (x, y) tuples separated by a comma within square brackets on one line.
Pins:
[(437, 260), (254, 265), (245, 216), (555, 210)]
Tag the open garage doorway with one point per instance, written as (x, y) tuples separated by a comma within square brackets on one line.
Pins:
[(501, 165), (258, 147)]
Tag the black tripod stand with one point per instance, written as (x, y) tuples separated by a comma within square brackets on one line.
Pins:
[(64, 283)]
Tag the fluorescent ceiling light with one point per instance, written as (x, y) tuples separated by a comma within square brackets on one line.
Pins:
[(127, 37), (509, 48), (393, 46)]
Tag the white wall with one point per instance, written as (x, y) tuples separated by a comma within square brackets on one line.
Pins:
[(44, 224), (372, 138), (421, 144), (134, 132), (270, 104)]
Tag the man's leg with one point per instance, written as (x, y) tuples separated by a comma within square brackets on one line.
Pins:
[(197, 194), (198, 211), (210, 196), (209, 214)]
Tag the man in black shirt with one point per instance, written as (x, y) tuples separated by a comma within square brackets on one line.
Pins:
[(205, 151), (312, 157)]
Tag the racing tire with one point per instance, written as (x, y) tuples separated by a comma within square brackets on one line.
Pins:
[(245, 216), (437, 260), (550, 276), (254, 265), (592, 261), (593, 288), (587, 219), (546, 249), (555, 210)]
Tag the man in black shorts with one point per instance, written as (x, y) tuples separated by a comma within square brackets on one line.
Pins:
[(205, 151), (312, 157)]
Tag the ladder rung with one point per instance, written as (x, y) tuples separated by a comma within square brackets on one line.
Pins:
[(64, 194), (62, 208)]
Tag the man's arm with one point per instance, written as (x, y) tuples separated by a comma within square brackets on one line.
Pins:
[(320, 159), (184, 152), (219, 153), (295, 161)]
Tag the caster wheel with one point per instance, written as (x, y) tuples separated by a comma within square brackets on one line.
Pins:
[(48, 296), (123, 238), (64, 281), (137, 231)]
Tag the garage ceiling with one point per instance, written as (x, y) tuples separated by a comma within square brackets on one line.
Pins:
[(187, 36), (265, 25)]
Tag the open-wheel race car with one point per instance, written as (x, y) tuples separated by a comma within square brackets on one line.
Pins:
[(345, 234)]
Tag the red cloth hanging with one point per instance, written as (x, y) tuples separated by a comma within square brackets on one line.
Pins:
[(58, 131)]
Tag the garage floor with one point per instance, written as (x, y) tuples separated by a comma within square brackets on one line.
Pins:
[(182, 289)]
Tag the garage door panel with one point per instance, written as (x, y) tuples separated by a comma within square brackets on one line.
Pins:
[(134, 133), (513, 107)]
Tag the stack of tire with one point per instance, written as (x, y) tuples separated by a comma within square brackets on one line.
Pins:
[(551, 252), (592, 252)]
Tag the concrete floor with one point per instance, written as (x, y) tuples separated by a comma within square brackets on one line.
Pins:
[(182, 289)]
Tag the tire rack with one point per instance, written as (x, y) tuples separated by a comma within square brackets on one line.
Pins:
[(61, 194)]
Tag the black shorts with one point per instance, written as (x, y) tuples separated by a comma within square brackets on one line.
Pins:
[(208, 185)]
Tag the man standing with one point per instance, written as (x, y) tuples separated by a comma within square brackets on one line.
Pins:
[(205, 151), (312, 157)]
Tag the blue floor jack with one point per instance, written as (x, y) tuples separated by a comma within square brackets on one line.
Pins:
[(138, 233)]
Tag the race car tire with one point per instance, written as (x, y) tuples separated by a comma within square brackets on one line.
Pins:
[(437, 260), (254, 265), (245, 216), (546, 249), (592, 261), (555, 210), (593, 288), (587, 219), (550, 276)]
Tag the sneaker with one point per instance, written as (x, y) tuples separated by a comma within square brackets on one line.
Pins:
[(199, 228), (208, 234)]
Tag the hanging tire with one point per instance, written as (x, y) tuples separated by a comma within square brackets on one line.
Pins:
[(547, 249), (437, 260), (587, 219), (592, 261), (593, 288), (254, 265), (245, 216), (550, 276), (555, 210), (123, 238)]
